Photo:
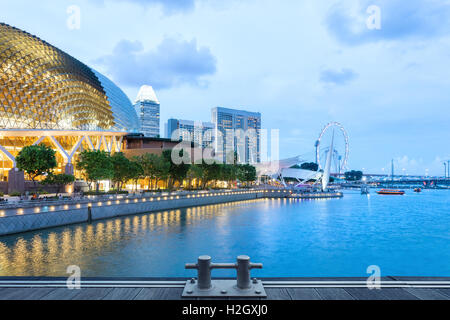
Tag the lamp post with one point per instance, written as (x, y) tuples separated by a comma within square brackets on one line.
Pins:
[(445, 170), (448, 168)]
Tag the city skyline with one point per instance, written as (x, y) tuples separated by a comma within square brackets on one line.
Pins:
[(314, 67)]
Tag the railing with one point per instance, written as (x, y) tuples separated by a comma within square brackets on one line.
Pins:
[(38, 206), (42, 206)]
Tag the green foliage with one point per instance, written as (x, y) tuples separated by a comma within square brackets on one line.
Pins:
[(36, 160), (59, 180), (95, 165), (353, 175), (154, 167), (310, 166), (246, 173), (15, 194), (120, 169), (136, 171), (177, 172), (194, 172)]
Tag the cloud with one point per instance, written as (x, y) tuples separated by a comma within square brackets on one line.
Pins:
[(399, 20), (168, 6), (172, 63), (336, 77)]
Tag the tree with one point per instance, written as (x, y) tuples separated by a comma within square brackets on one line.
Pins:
[(60, 180), (310, 166), (228, 173), (246, 173), (95, 165), (195, 172), (154, 167), (135, 170), (177, 172), (353, 175), (211, 172), (36, 161), (120, 169)]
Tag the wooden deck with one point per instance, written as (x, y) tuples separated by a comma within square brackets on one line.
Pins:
[(393, 288)]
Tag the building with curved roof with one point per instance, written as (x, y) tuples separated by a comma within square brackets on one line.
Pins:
[(47, 96)]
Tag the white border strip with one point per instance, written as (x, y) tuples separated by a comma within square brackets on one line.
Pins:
[(181, 284)]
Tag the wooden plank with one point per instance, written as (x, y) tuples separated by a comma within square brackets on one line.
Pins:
[(398, 294), (148, 294), (303, 294), (122, 294), (92, 293), (334, 294), (61, 294), (445, 291), (171, 293), (365, 294), (277, 294), (24, 293), (383, 294), (426, 294)]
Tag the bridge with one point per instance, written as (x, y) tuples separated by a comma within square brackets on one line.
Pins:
[(385, 179)]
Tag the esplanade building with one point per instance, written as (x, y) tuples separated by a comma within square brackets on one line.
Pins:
[(49, 97)]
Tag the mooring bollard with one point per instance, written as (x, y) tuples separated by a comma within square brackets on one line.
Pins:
[(89, 214), (206, 287), (243, 271)]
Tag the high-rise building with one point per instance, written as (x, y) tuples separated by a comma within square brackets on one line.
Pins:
[(186, 130), (237, 131), (148, 109)]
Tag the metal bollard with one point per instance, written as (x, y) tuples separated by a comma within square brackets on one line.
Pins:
[(243, 267), (203, 267), (243, 271)]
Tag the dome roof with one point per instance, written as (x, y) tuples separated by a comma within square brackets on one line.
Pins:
[(44, 88)]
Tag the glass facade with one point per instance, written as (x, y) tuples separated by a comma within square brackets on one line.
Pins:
[(237, 131), (43, 88), (123, 111), (148, 111), (48, 97), (199, 132)]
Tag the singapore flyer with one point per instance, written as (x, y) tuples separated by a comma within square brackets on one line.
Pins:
[(340, 150)]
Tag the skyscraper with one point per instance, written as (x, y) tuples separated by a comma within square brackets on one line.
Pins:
[(147, 107), (237, 131), (197, 131)]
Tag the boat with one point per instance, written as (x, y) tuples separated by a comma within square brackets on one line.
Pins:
[(417, 190), (391, 192)]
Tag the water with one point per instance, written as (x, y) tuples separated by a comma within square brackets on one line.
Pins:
[(403, 235)]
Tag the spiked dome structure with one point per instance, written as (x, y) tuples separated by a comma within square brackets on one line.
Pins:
[(47, 96)]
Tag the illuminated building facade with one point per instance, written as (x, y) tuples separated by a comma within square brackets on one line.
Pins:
[(237, 131), (199, 132), (49, 97), (148, 109)]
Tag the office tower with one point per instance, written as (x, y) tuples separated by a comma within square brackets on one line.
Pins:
[(187, 130), (147, 108), (237, 132)]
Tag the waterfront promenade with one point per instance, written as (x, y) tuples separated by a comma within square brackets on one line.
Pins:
[(34, 215), (392, 288)]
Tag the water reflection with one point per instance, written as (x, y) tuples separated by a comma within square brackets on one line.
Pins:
[(49, 253), (291, 237)]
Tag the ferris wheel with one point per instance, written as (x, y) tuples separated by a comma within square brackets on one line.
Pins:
[(336, 132)]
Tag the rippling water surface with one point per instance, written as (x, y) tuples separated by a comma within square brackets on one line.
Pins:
[(403, 235)]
